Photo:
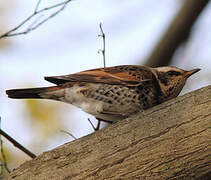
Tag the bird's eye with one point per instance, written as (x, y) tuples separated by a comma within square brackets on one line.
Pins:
[(173, 73)]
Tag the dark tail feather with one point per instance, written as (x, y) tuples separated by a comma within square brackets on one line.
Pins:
[(28, 93)]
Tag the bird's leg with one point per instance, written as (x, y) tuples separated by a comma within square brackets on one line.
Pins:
[(109, 122), (98, 124), (99, 121)]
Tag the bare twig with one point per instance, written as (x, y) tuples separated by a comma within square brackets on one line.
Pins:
[(35, 22), (66, 132), (104, 65), (37, 6), (35, 25), (103, 49), (16, 144), (4, 157)]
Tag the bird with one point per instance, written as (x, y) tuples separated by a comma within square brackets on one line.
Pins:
[(112, 93)]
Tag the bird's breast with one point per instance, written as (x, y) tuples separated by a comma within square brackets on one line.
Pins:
[(109, 101)]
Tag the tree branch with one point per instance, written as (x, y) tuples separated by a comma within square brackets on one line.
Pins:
[(177, 33), (103, 48), (37, 22), (168, 141), (17, 144)]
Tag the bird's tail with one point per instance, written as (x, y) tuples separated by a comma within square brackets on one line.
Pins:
[(30, 93)]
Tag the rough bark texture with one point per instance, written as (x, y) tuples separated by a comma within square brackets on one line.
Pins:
[(177, 33), (169, 141)]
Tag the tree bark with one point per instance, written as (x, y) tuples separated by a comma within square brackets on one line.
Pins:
[(177, 33), (168, 141)]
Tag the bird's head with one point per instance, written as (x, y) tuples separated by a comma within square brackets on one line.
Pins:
[(172, 79)]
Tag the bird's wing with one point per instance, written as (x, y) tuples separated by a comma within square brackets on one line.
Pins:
[(127, 75)]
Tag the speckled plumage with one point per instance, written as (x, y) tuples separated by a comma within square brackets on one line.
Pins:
[(112, 93)]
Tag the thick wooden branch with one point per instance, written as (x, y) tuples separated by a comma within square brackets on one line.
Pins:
[(169, 141), (177, 32)]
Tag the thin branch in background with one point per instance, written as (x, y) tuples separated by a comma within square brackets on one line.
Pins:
[(18, 145), (68, 134), (98, 124), (36, 23), (37, 6), (103, 49), (3, 160), (4, 157)]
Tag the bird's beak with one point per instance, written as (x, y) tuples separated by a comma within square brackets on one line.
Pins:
[(189, 73)]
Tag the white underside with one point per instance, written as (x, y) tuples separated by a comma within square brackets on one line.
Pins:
[(74, 96)]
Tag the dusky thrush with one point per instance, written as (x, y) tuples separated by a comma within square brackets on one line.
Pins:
[(112, 93)]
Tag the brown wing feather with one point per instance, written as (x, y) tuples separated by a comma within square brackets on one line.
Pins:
[(127, 75)]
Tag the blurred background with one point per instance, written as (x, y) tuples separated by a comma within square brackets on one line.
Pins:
[(69, 43)]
